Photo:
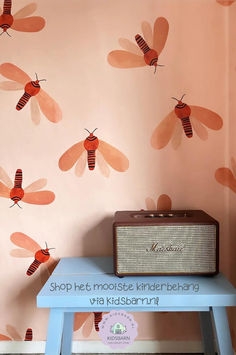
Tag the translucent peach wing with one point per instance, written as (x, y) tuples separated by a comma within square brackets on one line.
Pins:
[(81, 164), (4, 338), (10, 85), (36, 185), (225, 177), (26, 11), (28, 24), (103, 166), (147, 33), (35, 112), (150, 204), (88, 326), (5, 178), (12, 72), (69, 158), (164, 202), (200, 130), (177, 135), (129, 46), (233, 164), (225, 2), (209, 118), (113, 156), (4, 190), (160, 33), (13, 332), (39, 197), (21, 253), (49, 107), (24, 241), (80, 319), (164, 131), (124, 59)]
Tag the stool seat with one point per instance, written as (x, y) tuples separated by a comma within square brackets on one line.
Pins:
[(88, 284)]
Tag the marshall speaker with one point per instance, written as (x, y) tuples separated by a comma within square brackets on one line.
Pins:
[(165, 243)]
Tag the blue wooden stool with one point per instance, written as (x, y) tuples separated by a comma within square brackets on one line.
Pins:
[(89, 285)]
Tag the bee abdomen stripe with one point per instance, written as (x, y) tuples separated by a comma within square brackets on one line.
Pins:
[(23, 100), (91, 159), (187, 126), (142, 44), (18, 179), (33, 267), (97, 320), (7, 7), (29, 335), (16, 198)]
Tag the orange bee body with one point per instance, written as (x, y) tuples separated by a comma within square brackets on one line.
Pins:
[(91, 143), (191, 117), (29, 335), (41, 256), (97, 320), (20, 21), (31, 89)]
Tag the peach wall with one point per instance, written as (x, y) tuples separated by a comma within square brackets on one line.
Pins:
[(126, 105)]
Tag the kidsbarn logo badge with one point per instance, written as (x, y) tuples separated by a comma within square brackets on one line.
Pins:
[(118, 329)]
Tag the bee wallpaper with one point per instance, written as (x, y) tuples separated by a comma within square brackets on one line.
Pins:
[(110, 105)]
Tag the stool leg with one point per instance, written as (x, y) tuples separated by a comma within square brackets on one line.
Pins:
[(67, 333), (222, 331), (207, 333), (54, 336)]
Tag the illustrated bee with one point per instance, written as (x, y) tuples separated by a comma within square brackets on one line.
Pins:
[(87, 321), (14, 335), (32, 90), (148, 50), (20, 21), (189, 117), (227, 177), (29, 247), (29, 195), (106, 154), (163, 203)]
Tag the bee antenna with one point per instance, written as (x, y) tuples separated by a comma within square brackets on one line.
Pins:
[(46, 245), (175, 99), (36, 76), (87, 130), (14, 205), (182, 97), (155, 69), (94, 130)]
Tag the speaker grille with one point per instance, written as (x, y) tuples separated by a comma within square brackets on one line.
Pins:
[(166, 249)]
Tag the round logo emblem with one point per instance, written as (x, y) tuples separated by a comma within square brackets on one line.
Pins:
[(118, 329)]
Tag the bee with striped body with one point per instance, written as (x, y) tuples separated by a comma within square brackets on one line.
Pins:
[(20, 21), (184, 118)]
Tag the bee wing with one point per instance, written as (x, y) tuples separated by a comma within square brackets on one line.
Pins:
[(129, 46), (160, 33), (225, 177), (80, 319), (124, 59), (164, 131), (164, 202), (4, 337), (103, 166), (49, 106), (28, 24), (21, 253), (147, 33), (5, 178), (233, 164), (113, 156), (12, 72), (209, 118), (69, 158), (13, 332), (4, 190), (225, 2), (177, 135), (35, 112), (24, 241), (81, 164), (36, 185), (150, 204), (25, 11), (39, 197), (88, 326), (11, 85), (199, 129)]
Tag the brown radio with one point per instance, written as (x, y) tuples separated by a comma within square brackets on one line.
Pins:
[(165, 243)]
